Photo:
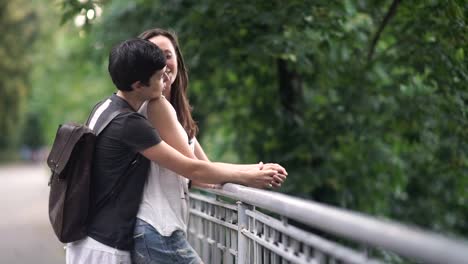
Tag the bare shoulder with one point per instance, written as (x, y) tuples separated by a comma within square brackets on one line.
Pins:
[(161, 107)]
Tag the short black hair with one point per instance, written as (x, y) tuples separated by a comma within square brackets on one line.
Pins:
[(134, 60)]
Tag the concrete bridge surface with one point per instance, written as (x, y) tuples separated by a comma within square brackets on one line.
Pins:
[(25, 233)]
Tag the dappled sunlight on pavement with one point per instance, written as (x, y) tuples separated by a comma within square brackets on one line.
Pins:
[(27, 236)]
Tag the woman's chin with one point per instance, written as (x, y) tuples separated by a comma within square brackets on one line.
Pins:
[(167, 92)]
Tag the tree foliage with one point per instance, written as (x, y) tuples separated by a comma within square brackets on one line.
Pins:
[(15, 64), (365, 102)]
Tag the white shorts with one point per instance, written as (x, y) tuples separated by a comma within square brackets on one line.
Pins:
[(90, 251)]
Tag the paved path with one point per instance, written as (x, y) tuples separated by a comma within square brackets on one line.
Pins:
[(25, 233)]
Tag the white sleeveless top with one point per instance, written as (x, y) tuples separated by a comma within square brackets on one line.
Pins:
[(165, 197)]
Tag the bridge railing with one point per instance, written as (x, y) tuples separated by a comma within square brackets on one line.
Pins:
[(237, 224)]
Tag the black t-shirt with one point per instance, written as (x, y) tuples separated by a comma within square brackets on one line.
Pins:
[(119, 173)]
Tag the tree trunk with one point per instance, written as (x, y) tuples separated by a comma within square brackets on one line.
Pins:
[(290, 87)]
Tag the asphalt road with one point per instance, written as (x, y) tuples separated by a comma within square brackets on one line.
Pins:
[(25, 232)]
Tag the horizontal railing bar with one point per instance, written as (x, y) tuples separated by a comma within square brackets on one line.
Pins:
[(221, 246), (232, 252), (288, 255), (327, 247), (213, 219), (406, 241), (203, 198), (225, 248)]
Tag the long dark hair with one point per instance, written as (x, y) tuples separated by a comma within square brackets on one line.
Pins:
[(179, 88)]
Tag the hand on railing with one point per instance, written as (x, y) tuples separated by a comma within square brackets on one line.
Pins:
[(269, 175), (279, 178)]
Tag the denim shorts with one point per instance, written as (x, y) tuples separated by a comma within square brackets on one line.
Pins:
[(150, 247)]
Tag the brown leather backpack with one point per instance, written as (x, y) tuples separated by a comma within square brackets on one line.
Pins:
[(70, 161)]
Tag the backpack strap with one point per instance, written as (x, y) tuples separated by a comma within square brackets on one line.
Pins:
[(115, 190), (92, 112), (92, 119), (109, 119), (118, 186)]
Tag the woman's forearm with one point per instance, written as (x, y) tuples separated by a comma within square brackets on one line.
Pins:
[(199, 152), (242, 167)]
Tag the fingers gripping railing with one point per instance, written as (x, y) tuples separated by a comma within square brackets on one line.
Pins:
[(229, 225)]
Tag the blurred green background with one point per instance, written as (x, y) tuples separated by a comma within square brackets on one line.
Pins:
[(364, 102)]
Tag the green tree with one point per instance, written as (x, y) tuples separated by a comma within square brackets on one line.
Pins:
[(364, 102), (17, 22), (68, 79)]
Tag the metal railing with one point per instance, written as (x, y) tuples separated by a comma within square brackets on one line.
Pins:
[(237, 224)]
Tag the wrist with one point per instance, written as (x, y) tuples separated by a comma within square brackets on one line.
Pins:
[(260, 165), (241, 177)]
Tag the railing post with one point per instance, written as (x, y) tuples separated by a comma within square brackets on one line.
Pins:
[(242, 222)]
